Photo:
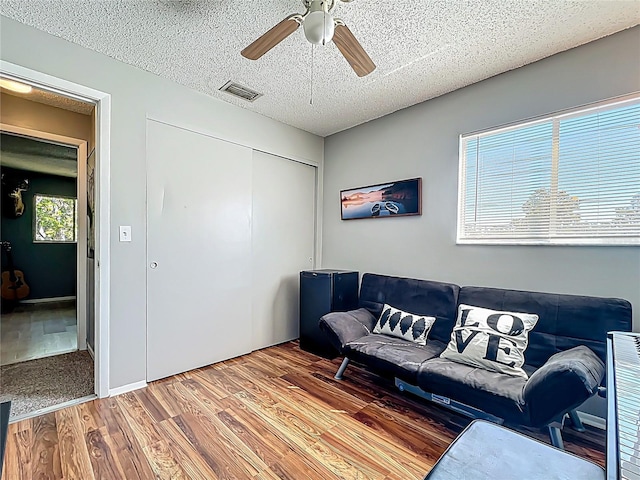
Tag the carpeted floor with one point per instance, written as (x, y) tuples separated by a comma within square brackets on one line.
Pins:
[(46, 382)]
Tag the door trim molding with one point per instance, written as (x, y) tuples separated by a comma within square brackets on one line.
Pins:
[(102, 101)]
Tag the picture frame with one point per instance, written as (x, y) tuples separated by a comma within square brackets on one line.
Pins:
[(399, 198)]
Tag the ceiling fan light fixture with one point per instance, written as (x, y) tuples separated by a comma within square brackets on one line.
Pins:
[(319, 27)]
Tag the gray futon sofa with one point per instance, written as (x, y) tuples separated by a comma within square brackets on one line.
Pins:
[(564, 359)]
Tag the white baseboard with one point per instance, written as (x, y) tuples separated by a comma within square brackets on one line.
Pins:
[(49, 300), (592, 420), (90, 350), (127, 388)]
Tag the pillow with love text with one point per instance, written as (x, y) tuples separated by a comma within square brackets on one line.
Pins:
[(490, 339)]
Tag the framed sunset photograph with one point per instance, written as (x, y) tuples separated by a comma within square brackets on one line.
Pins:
[(393, 199)]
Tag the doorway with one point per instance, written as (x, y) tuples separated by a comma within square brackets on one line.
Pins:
[(44, 360), (40, 236), (50, 307)]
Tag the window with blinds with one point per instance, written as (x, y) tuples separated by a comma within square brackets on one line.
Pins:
[(569, 179)]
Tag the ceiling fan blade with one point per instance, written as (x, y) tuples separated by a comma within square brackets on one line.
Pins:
[(353, 51), (273, 37)]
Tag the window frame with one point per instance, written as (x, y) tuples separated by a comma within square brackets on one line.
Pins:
[(35, 219), (554, 118)]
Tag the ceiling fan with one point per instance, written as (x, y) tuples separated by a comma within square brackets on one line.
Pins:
[(320, 27)]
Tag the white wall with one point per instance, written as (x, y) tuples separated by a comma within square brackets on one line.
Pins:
[(423, 141), (136, 95)]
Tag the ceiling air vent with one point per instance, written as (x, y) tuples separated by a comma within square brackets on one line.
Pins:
[(240, 91)]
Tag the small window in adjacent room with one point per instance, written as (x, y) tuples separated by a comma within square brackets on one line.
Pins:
[(569, 179), (55, 219)]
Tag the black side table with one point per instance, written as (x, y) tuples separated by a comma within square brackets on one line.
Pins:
[(321, 292)]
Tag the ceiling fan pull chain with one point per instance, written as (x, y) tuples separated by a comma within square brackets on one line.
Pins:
[(312, 62)]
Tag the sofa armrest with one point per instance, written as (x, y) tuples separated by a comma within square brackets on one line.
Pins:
[(563, 383), (344, 327)]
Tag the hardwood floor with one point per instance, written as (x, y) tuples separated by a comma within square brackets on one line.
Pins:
[(276, 413)]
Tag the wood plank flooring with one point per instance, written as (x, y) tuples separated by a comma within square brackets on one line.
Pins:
[(274, 414)]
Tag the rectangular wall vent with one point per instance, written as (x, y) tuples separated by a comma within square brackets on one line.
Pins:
[(240, 91)]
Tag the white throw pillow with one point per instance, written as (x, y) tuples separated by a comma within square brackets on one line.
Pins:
[(490, 339), (409, 326)]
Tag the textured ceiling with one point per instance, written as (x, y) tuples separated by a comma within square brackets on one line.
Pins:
[(422, 48), (54, 100)]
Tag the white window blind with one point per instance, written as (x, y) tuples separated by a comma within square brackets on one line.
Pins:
[(573, 178)]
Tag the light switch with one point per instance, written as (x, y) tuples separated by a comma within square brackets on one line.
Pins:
[(125, 233)]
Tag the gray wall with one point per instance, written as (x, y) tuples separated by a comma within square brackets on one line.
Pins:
[(136, 95), (423, 141), (49, 268)]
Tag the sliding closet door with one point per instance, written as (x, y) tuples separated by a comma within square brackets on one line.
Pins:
[(283, 237), (198, 250)]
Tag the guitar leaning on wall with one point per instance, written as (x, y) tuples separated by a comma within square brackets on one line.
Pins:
[(14, 287)]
